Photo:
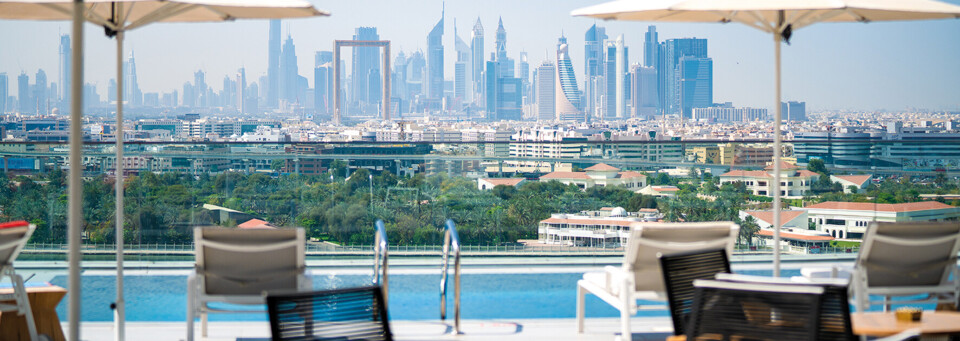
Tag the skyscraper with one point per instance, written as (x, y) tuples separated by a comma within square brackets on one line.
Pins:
[(567, 94), (463, 69), (200, 89), (435, 60), (273, 65), (523, 72), (365, 74), (131, 86), (791, 111), (546, 92), (288, 72), (695, 88), (65, 56), (322, 91), (621, 69), (644, 88), (503, 62), (241, 92), (476, 47), (40, 93), (593, 68), (4, 91), (24, 94), (650, 46), (671, 52)]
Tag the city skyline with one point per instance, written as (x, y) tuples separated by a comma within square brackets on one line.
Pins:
[(862, 70)]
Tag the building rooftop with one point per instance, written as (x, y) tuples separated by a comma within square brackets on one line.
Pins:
[(783, 166), (857, 179), (767, 216), (869, 206), (504, 181), (602, 167)]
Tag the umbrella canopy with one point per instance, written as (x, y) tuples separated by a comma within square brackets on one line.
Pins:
[(142, 12), (781, 18), (762, 13)]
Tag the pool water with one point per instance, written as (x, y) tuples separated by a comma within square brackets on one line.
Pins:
[(411, 297)]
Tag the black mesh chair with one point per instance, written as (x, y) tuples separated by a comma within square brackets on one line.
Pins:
[(748, 311), (679, 272), (342, 314), (834, 317)]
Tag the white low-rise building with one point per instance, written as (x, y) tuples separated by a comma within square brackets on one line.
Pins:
[(599, 175), (794, 182), (604, 228), (849, 220), (859, 181), (490, 183), (660, 191)]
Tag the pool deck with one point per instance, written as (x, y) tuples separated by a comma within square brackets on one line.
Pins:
[(644, 328)]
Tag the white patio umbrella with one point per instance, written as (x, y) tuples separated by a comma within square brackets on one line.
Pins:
[(118, 17), (780, 18)]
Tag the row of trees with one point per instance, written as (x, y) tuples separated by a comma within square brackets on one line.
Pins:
[(163, 208)]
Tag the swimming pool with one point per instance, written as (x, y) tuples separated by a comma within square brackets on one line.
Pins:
[(162, 298)]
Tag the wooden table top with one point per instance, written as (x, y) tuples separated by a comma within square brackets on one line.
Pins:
[(39, 289), (885, 323)]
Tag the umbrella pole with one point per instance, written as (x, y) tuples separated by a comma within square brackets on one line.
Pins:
[(118, 312), (777, 37), (75, 181)]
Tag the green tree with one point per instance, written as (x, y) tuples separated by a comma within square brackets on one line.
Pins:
[(818, 166)]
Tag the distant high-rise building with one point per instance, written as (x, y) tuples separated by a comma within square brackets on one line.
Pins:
[(288, 72), (644, 87), (616, 89), (651, 44), (200, 89), (670, 53), (523, 72), (322, 89), (416, 74), (228, 95), (241, 92), (189, 98), (546, 92), (434, 79), (695, 78), (112, 91), (366, 89), (621, 69), (567, 94), (323, 57), (40, 93), (593, 68), (273, 65), (4, 91), (131, 85), (476, 48), (65, 59), (90, 97), (500, 54), (793, 111), (502, 94), (24, 94), (463, 69)]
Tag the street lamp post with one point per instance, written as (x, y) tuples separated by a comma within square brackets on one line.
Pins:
[(371, 190)]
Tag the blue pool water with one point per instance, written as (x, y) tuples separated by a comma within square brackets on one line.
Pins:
[(412, 297)]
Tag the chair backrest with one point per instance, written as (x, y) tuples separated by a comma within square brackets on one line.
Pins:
[(342, 314), (909, 254), (749, 311), (679, 272), (647, 240), (247, 262), (834, 316), (13, 236)]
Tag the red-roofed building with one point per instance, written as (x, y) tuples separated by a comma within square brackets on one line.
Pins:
[(859, 181), (660, 191), (604, 228), (849, 220), (490, 183), (599, 175), (790, 219), (794, 182), (256, 224)]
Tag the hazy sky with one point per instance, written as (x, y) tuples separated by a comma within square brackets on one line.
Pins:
[(893, 66)]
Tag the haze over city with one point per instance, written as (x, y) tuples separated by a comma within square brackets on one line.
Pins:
[(881, 66)]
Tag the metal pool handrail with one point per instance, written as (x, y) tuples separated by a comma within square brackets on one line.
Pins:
[(451, 240), (380, 263)]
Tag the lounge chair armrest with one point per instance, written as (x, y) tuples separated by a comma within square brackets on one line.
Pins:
[(908, 334), (615, 276)]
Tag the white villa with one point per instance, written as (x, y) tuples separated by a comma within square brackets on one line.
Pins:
[(604, 228), (849, 220), (599, 175), (794, 182)]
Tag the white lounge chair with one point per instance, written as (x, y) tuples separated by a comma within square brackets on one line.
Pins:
[(13, 236), (236, 266), (639, 278), (908, 259)]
